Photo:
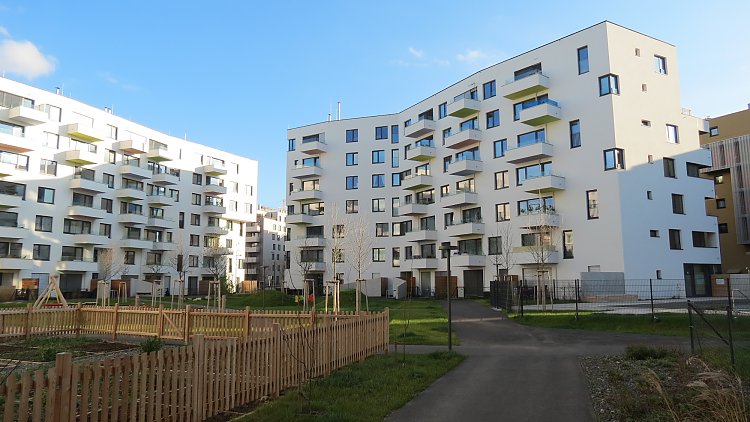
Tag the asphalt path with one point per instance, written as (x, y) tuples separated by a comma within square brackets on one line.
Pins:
[(516, 373)]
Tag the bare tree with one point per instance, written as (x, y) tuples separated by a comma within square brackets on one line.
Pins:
[(360, 241), (543, 247), (304, 264), (156, 267), (502, 256), (336, 244), (111, 263), (215, 262), (178, 261)]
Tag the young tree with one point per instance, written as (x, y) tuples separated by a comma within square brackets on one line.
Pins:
[(544, 246), (304, 265), (360, 241), (215, 262), (156, 267), (111, 263), (336, 244), (501, 250), (178, 261)]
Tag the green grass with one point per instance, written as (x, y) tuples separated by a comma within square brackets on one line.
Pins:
[(365, 391)]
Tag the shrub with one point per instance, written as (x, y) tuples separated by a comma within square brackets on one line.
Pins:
[(49, 354), (643, 352), (152, 344)]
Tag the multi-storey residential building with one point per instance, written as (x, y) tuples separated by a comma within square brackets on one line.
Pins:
[(577, 151), (266, 254), (75, 180), (729, 141)]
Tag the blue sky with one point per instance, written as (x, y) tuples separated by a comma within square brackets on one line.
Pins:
[(236, 75)]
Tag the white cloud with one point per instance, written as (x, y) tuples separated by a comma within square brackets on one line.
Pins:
[(4, 32), (471, 55), (24, 58), (416, 53)]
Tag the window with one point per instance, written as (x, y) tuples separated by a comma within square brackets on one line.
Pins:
[(500, 147), (493, 119), (693, 169), (669, 170), (195, 240), (495, 245), (45, 195), (533, 171), (395, 202), (468, 124), (614, 159), (674, 239), (107, 205), (723, 228), (646, 123), (649, 195), (673, 137), (394, 158), (442, 110), (394, 134), (378, 205), (575, 134), (531, 138), (502, 212), (197, 179), (196, 199), (352, 206), (489, 89), (109, 180), (713, 131), (41, 252), (105, 230), (395, 179), (567, 244), (395, 257), (291, 146), (43, 223), (592, 204), (718, 179), (378, 156), (609, 84), (381, 132), (378, 180), (192, 261), (583, 60), (527, 71), (352, 158), (653, 233), (660, 63), (381, 229), (378, 254), (501, 180), (352, 182), (48, 167), (195, 219), (352, 135), (677, 204), (76, 226), (720, 203), (111, 157), (532, 102)]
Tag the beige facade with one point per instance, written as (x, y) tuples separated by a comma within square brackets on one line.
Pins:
[(729, 141)]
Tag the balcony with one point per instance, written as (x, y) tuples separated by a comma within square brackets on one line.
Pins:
[(412, 209), (420, 128), (301, 218), (463, 108), (90, 239), (302, 172), (540, 114), (214, 189), (313, 147), (164, 246), (136, 243), (524, 87), (86, 185), (253, 249), (130, 194), (533, 152), (459, 199), (534, 220), (160, 154), (417, 182), (306, 195), (160, 200), (82, 132), (544, 184), (79, 265), (77, 157), (132, 219), (464, 229), (131, 146), (531, 255), (160, 223), (164, 178), (13, 232), (464, 138), (468, 260), (315, 267), (421, 236), (16, 264), (420, 153), (134, 171), (82, 211), (419, 263), (10, 201), (217, 230), (215, 170), (464, 167), (310, 242), (214, 208), (24, 116), (15, 141)]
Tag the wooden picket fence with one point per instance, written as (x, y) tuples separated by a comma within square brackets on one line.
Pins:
[(169, 324), (193, 382)]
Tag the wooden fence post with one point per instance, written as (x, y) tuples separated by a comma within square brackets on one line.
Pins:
[(199, 369), (247, 321), (63, 370), (27, 323), (386, 329), (186, 333), (160, 322), (117, 317), (277, 360), (79, 318)]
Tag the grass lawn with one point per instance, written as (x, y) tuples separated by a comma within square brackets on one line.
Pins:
[(365, 391)]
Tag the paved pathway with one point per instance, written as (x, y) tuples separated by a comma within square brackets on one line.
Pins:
[(515, 373)]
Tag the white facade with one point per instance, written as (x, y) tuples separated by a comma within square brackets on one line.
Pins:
[(76, 179), (622, 96), (266, 256)]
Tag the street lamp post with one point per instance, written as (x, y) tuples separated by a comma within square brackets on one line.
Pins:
[(446, 247)]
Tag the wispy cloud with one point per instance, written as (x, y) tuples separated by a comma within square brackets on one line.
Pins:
[(4, 32), (111, 79), (471, 55), (23, 58), (416, 53)]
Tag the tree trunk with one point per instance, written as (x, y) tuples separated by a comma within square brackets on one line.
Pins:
[(359, 293)]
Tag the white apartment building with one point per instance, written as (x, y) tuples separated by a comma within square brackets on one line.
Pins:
[(266, 256), (75, 179), (578, 148)]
